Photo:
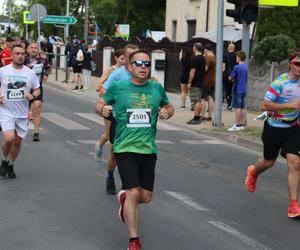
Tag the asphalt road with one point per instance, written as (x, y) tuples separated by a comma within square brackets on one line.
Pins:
[(58, 200)]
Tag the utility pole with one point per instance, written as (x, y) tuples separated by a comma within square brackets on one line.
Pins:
[(219, 62), (67, 14), (86, 20)]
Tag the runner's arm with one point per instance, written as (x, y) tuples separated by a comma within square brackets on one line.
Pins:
[(103, 109), (273, 106), (166, 112)]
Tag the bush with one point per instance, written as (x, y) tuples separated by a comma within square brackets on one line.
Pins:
[(274, 48)]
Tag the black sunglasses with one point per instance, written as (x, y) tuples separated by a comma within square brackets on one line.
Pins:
[(139, 63), (296, 64)]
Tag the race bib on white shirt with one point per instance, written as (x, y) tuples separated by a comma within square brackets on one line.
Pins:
[(15, 94), (37, 68), (138, 118)]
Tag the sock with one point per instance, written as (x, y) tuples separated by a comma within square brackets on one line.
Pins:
[(11, 162), (239, 125), (197, 117), (110, 175), (133, 238), (5, 158), (294, 203)]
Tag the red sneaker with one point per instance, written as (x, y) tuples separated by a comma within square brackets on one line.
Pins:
[(135, 245), (294, 211), (122, 198), (250, 181)]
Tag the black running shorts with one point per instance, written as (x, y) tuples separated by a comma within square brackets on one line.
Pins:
[(136, 170), (38, 98), (280, 140)]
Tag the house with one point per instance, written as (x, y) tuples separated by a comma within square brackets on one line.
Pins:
[(186, 18)]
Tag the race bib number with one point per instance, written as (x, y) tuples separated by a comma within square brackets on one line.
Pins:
[(138, 118), (37, 68), (15, 94)]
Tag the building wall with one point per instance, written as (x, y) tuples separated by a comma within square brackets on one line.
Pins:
[(183, 10)]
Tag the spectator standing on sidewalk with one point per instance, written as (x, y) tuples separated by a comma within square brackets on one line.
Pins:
[(87, 68), (185, 58), (76, 63), (68, 50), (281, 133), (195, 83), (209, 83), (229, 61), (239, 75)]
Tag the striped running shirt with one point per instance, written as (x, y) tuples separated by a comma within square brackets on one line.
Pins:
[(283, 90)]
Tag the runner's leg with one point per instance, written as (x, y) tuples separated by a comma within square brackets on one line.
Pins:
[(293, 162), (37, 106)]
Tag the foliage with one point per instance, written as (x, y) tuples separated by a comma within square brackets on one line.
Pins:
[(279, 20), (274, 48), (141, 15)]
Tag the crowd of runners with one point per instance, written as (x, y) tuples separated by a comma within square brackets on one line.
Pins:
[(131, 102)]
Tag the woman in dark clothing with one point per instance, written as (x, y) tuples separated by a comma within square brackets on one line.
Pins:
[(87, 68), (185, 59)]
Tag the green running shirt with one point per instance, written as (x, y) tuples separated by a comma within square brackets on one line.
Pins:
[(136, 113)]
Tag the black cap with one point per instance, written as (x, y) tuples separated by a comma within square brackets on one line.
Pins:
[(9, 39)]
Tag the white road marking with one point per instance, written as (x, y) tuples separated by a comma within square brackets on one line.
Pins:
[(187, 201), (92, 117), (63, 122), (239, 235), (164, 142), (71, 143), (87, 141), (200, 142), (165, 126)]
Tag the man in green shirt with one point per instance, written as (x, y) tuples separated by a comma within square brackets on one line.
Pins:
[(137, 104)]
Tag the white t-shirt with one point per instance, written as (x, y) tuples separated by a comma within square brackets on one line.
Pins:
[(15, 84)]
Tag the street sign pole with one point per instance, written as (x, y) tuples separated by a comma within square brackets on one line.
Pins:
[(67, 14), (219, 62), (39, 24)]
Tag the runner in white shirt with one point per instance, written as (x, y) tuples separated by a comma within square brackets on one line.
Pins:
[(16, 82)]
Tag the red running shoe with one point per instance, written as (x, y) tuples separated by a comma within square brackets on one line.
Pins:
[(122, 198), (250, 181), (135, 245), (294, 211)]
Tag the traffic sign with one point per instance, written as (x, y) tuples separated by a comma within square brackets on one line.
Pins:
[(291, 3), (60, 19), (38, 12), (27, 19)]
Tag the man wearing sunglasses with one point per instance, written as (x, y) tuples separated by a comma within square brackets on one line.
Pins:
[(281, 133), (138, 103)]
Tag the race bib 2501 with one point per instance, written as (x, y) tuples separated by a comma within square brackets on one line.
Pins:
[(15, 94), (138, 118)]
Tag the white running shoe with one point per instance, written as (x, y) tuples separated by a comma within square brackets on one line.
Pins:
[(236, 128)]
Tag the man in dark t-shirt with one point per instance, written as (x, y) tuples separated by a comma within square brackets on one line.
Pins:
[(195, 82), (229, 61)]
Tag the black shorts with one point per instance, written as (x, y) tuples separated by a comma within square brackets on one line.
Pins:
[(136, 170), (77, 68), (283, 140), (208, 91), (38, 98), (112, 129)]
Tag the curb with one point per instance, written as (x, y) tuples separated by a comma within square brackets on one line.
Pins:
[(235, 139)]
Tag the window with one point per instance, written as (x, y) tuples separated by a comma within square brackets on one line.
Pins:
[(174, 30), (191, 28)]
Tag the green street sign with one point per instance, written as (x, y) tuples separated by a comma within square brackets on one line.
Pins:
[(291, 3), (60, 19)]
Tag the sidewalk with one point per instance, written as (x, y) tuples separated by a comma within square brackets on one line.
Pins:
[(250, 137)]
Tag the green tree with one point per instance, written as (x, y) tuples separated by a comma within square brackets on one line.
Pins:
[(279, 20)]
